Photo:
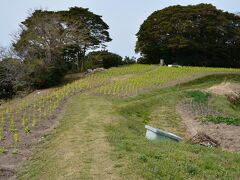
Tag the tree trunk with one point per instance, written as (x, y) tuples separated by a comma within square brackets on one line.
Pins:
[(81, 56)]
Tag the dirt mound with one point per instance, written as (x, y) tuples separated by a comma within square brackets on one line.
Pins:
[(228, 136), (226, 88), (204, 140)]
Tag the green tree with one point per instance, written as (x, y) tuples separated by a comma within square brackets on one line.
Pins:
[(112, 60), (86, 31), (128, 60), (50, 35), (191, 35), (104, 59), (50, 42)]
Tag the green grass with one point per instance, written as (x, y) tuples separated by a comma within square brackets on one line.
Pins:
[(77, 149), (102, 137), (222, 119), (230, 113), (166, 160), (142, 78), (199, 96), (124, 81)]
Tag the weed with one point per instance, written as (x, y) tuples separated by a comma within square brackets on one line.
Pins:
[(2, 150), (27, 130), (15, 150)]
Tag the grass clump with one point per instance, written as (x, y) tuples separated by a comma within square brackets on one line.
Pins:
[(222, 119), (199, 96)]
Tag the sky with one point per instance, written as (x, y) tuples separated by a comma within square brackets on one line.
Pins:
[(124, 17)]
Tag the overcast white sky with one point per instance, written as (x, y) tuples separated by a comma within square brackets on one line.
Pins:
[(123, 16)]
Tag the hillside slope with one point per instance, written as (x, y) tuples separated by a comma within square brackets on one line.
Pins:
[(102, 135)]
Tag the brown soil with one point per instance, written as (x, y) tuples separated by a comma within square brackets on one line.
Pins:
[(10, 162), (227, 135), (226, 88)]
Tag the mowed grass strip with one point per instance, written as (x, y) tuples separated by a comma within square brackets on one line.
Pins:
[(78, 148)]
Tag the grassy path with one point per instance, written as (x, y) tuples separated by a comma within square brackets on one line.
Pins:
[(78, 149)]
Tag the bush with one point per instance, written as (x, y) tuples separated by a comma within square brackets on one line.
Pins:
[(104, 59), (142, 60), (12, 72), (112, 60), (41, 76), (94, 59)]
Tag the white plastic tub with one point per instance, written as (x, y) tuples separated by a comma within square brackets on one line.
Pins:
[(157, 134)]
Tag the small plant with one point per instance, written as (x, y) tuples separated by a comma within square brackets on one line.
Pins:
[(16, 137), (34, 122), (27, 130), (12, 125), (143, 158), (15, 150), (2, 150), (1, 134), (24, 122)]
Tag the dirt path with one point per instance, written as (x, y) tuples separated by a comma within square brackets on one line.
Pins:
[(227, 135), (79, 148)]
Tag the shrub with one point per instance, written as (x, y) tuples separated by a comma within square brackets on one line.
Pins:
[(112, 60), (41, 76), (102, 59), (12, 72)]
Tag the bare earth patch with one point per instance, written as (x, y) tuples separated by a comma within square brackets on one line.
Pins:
[(226, 88), (9, 162), (227, 135)]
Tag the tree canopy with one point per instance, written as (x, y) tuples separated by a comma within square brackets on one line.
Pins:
[(50, 42), (191, 35), (50, 35)]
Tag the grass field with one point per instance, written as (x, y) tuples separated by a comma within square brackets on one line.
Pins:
[(102, 135)]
